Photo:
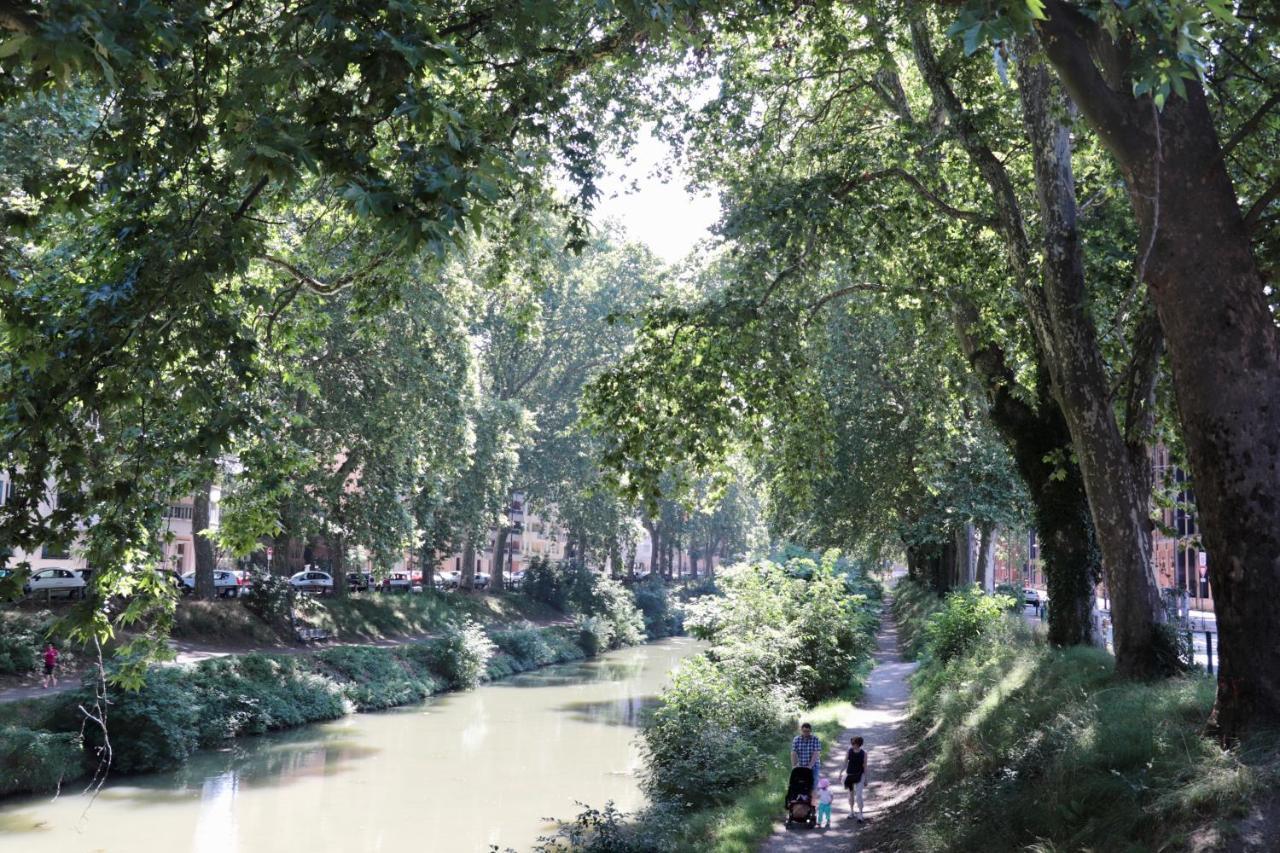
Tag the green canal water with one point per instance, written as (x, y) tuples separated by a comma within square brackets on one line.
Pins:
[(459, 773)]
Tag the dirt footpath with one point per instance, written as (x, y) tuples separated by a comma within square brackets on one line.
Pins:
[(879, 719)]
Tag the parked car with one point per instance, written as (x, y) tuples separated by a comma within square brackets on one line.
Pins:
[(359, 581), (1031, 597), (172, 578), (226, 584), (311, 581), (55, 580), (397, 582), (480, 581)]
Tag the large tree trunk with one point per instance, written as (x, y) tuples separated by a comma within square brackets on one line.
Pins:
[(984, 571), (965, 572), (467, 580), (615, 557), (1224, 351), (655, 546), (339, 565), (1117, 500), (496, 582), (206, 557)]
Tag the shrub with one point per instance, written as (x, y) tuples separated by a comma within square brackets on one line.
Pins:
[(544, 582), (256, 693), (527, 646), (461, 657), (653, 600), (154, 728), (374, 678), (965, 616), (782, 624), (711, 734), (593, 634), (270, 598), (32, 761), (19, 653), (614, 604)]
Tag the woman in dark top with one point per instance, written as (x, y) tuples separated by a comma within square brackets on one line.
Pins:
[(855, 775)]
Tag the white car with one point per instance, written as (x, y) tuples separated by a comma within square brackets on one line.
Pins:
[(55, 580), (396, 582), (312, 582), (1033, 597), (453, 580), (225, 583)]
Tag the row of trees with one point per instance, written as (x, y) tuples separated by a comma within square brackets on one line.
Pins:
[(1074, 188), (964, 270)]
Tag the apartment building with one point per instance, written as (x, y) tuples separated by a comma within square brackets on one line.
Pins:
[(178, 542)]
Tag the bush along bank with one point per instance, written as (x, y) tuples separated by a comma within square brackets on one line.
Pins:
[(1033, 747), (182, 709), (785, 636)]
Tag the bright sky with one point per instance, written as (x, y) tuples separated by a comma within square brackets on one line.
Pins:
[(655, 209)]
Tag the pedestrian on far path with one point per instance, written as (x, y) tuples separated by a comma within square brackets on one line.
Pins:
[(806, 751), (50, 665), (855, 777)]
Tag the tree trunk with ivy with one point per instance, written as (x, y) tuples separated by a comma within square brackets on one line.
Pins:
[(1119, 504)]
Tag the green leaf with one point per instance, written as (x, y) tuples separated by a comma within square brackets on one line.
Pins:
[(11, 46)]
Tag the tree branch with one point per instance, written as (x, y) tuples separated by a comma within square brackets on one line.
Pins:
[(1264, 201), (1065, 36), (814, 307), (250, 198), (1250, 125), (319, 287), (974, 216)]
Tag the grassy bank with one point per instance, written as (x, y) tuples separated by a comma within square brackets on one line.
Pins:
[(1032, 747), (788, 639), (181, 709)]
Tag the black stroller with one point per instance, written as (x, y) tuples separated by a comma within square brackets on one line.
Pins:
[(800, 807)]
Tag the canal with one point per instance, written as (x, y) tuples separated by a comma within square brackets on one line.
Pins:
[(458, 773)]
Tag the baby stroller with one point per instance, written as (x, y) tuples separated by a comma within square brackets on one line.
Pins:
[(800, 807)]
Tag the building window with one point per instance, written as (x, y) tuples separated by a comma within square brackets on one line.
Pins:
[(52, 552), (178, 511)]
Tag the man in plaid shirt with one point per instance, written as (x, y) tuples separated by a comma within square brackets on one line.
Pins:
[(806, 751)]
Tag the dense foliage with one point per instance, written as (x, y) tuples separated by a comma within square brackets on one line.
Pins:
[(607, 610), (37, 761)]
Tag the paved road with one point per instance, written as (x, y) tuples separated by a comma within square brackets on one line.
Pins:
[(879, 718)]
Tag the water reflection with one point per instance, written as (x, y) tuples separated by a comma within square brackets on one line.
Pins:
[(386, 782), (569, 674), (630, 711), (216, 825)]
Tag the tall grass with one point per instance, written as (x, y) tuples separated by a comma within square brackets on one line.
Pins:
[(1028, 744)]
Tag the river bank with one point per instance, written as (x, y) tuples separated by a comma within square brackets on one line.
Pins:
[(182, 709)]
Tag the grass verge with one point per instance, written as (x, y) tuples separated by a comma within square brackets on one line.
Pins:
[(1033, 747)]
